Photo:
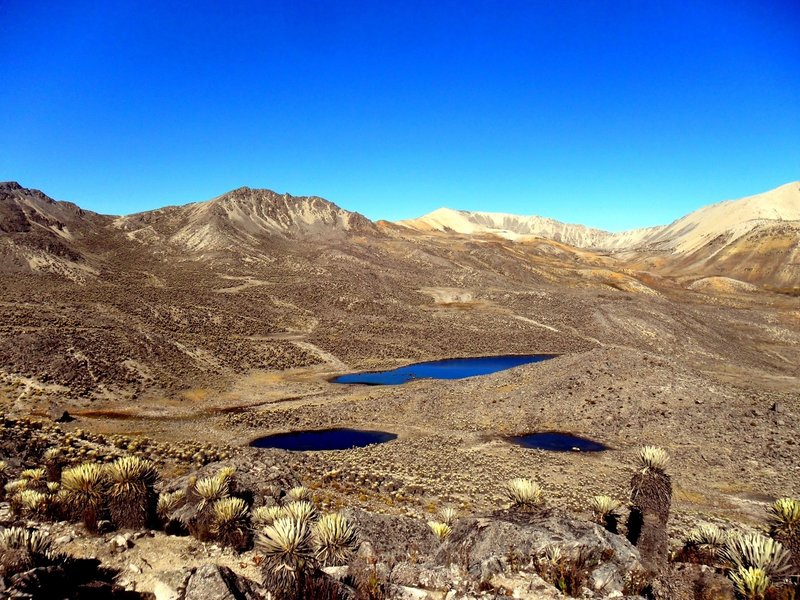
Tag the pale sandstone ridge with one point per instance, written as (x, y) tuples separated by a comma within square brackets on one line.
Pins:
[(518, 227), (731, 218)]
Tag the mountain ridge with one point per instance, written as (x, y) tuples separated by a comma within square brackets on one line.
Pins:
[(513, 226)]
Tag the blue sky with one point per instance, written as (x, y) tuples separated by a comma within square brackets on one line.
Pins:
[(613, 114)]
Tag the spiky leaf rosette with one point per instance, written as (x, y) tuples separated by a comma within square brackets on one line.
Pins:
[(227, 474), (85, 488), (211, 489), (36, 478), (756, 551), (447, 515), (230, 524), (653, 458), (751, 583), (287, 551), (16, 485), (266, 515), (298, 493), (33, 474), (54, 462), (24, 549), (523, 493), (33, 503), (440, 530), (335, 539), (784, 514), (132, 496), (301, 510), (707, 535), (51, 454), (784, 518), (602, 506), (168, 502)]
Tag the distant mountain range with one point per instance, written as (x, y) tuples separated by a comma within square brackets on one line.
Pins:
[(756, 239), (731, 218)]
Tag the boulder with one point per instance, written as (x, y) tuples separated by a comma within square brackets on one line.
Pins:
[(394, 538), (171, 585), (508, 540), (212, 582)]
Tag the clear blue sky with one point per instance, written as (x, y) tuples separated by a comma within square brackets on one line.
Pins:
[(615, 114)]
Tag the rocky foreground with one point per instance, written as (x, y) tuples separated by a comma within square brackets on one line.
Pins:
[(84, 518)]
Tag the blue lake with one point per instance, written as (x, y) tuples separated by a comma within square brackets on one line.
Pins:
[(453, 368), (559, 442), (323, 439)]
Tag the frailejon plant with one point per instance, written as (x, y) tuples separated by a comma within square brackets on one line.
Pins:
[(24, 549), (334, 539), (3, 478), (288, 555), (266, 515), (34, 504), (15, 485), (227, 475), (523, 493), (54, 463), (754, 550), (230, 523), (604, 512), (653, 458), (167, 502), (211, 489), (85, 489), (751, 583), (441, 530), (300, 510), (651, 498), (298, 493), (207, 490), (36, 478), (448, 515), (703, 543), (131, 493), (784, 520)]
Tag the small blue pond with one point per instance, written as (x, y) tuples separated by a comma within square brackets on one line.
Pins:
[(323, 439), (454, 368), (560, 442)]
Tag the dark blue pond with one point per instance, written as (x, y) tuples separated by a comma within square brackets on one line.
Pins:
[(454, 368), (560, 442), (323, 439)]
